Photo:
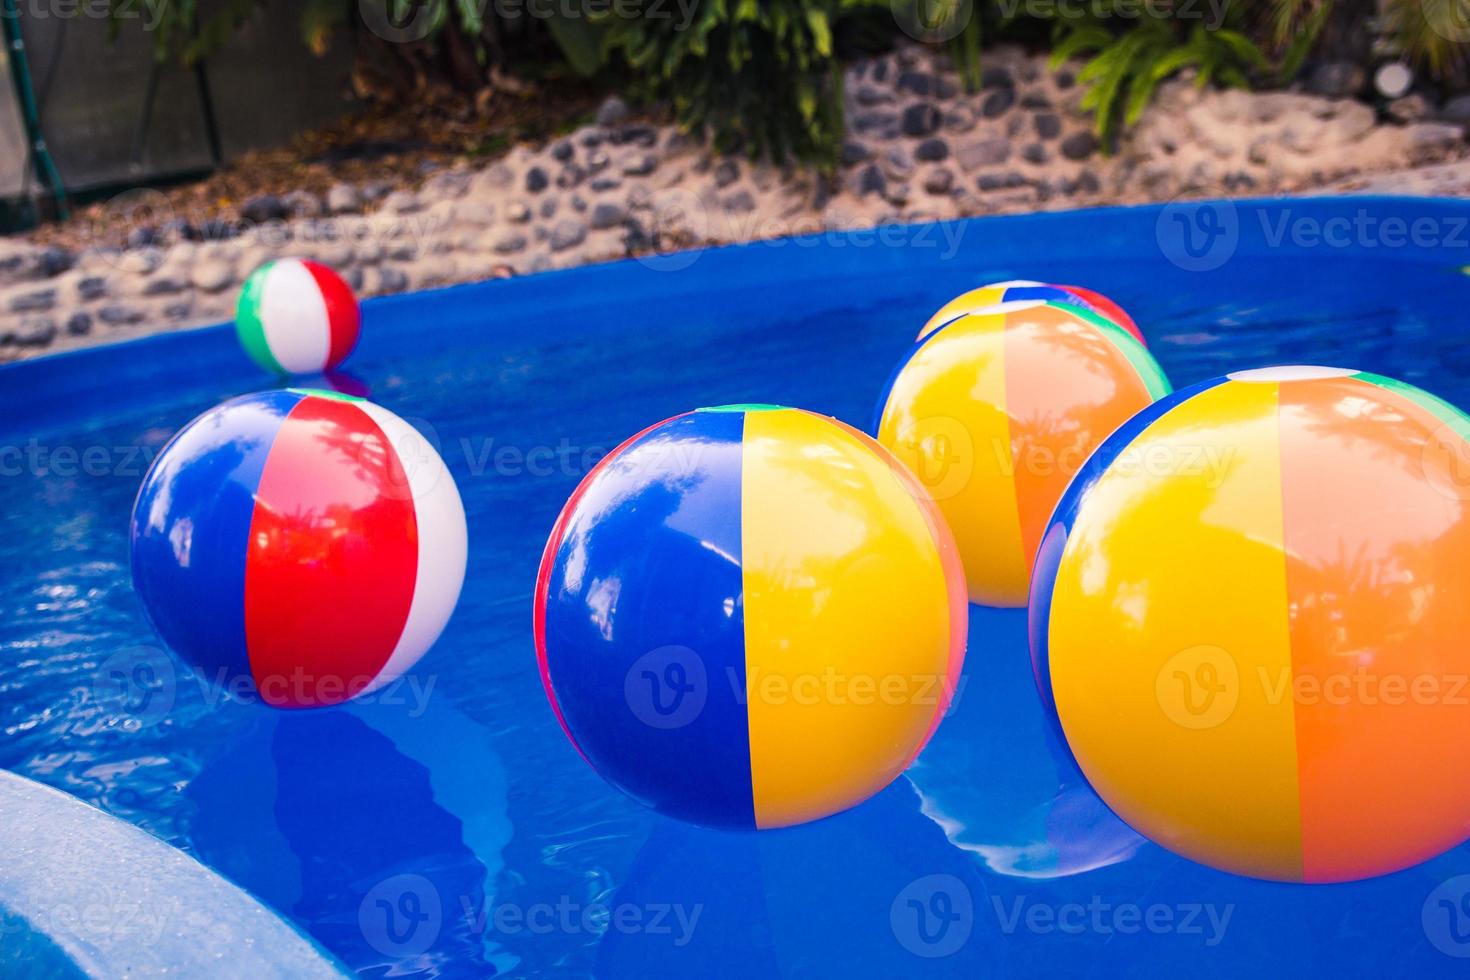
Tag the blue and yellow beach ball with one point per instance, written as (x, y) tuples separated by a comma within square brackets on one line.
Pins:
[(1249, 619), (749, 617)]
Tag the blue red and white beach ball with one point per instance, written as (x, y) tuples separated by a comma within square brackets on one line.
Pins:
[(303, 547)]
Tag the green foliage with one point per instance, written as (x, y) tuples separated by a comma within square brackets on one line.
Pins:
[(764, 75), (1431, 32), (1127, 68), (757, 74), (181, 33)]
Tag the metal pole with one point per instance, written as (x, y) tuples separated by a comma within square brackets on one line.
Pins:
[(21, 72)]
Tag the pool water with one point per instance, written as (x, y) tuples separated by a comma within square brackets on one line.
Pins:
[(446, 828)]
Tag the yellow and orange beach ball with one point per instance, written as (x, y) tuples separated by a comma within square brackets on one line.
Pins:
[(1249, 618), (995, 411)]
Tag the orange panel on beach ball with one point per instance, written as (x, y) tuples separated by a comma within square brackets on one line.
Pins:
[(1248, 618)]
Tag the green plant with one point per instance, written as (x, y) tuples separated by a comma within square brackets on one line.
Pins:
[(457, 41), (1431, 32), (1127, 68), (761, 75), (1295, 26)]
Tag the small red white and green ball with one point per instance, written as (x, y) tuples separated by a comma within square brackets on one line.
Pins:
[(296, 316)]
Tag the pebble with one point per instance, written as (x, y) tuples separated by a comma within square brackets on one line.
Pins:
[(984, 153), (916, 82), (79, 323), (55, 260), (998, 103), (739, 203), (35, 301), (877, 122), (897, 163), (1000, 181), (509, 241), (375, 190), (392, 279), (932, 150), (212, 276), (1410, 108), (1079, 146), (853, 153), (563, 150), (612, 111), (303, 204), (920, 120), (263, 209), (640, 164), (518, 212), (1048, 125), (1456, 109), (871, 181), (726, 173), (1035, 153), (90, 288), (476, 214), (939, 181), (117, 315), (996, 78), (163, 286), (343, 199), (35, 331), (1336, 79), (536, 180), (566, 234), (961, 119), (608, 214)]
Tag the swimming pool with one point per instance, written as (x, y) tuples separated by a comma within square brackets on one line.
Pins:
[(446, 827)]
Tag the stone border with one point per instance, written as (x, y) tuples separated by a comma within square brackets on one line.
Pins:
[(919, 148)]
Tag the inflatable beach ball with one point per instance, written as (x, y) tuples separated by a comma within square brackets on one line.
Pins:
[(1250, 619), (300, 546), (1017, 290), (296, 316), (749, 617), (996, 411)]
